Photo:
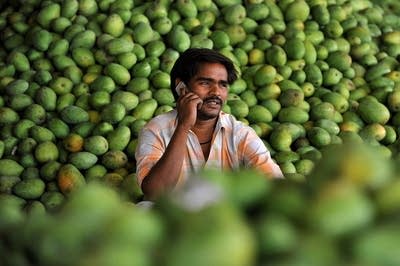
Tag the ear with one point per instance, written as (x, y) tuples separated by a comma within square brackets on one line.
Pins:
[(177, 80)]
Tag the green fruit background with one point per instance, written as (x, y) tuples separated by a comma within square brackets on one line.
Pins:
[(319, 83)]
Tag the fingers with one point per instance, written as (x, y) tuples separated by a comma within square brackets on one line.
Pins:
[(182, 91), (189, 101), (188, 97), (187, 105), (199, 104)]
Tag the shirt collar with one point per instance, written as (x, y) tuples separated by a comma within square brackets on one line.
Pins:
[(221, 123)]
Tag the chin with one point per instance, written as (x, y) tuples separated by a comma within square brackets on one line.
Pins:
[(206, 115)]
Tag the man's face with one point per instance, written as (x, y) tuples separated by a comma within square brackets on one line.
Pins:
[(211, 85)]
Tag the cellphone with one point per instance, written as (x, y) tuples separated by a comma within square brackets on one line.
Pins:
[(178, 87)]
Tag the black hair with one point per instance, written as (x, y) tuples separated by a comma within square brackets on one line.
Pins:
[(189, 62)]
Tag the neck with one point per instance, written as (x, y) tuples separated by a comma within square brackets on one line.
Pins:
[(205, 125), (204, 129)]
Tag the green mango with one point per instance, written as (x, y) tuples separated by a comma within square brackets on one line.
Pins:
[(339, 60), (142, 33), (41, 39), (19, 60), (73, 115), (238, 108), (118, 46), (82, 160), (17, 86), (292, 114), (259, 113), (291, 97), (103, 83), (41, 133), (29, 189), (69, 8), (113, 112), (85, 39), (8, 115), (47, 98), (178, 39), (145, 109), (318, 137), (372, 111), (276, 56), (47, 14), (118, 73), (52, 200), (46, 151), (234, 14), (119, 138), (114, 159), (7, 183), (295, 48), (280, 139), (187, 8), (83, 57)]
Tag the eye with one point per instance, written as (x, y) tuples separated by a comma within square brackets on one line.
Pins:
[(224, 85), (204, 83)]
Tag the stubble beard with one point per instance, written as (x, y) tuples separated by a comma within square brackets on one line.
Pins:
[(204, 114)]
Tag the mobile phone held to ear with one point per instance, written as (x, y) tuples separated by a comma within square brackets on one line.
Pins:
[(179, 87)]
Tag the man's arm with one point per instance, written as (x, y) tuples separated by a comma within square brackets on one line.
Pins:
[(256, 155), (164, 175)]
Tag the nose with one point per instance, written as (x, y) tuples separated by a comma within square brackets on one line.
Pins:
[(215, 89)]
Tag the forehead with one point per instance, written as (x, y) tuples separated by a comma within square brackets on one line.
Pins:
[(215, 71)]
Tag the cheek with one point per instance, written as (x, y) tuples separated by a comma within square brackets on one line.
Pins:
[(224, 94)]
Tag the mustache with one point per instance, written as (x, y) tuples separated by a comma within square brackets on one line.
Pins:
[(214, 98)]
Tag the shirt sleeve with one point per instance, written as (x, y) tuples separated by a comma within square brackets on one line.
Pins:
[(256, 155), (149, 150)]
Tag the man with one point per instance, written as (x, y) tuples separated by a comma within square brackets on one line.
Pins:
[(197, 134)]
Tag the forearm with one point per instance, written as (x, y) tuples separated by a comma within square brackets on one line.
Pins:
[(165, 173)]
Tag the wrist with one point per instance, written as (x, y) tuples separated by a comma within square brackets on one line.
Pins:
[(182, 129)]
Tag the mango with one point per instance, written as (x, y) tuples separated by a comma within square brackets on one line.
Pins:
[(47, 98), (118, 73), (8, 115), (73, 115), (49, 170), (113, 112), (319, 137), (82, 160), (264, 75), (281, 139), (47, 14), (145, 109), (114, 159), (7, 183), (297, 10), (118, 46), (331, 78), (259, 113), (19, 61), (18, 86), (234, 14), (29, 189), (372, 111), (69, 179), (119, 138), (46, 151), (294, 48), (52, 200), (292, 114)]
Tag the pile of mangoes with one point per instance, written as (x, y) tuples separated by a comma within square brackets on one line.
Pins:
[(79, 79), (347, 213)]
